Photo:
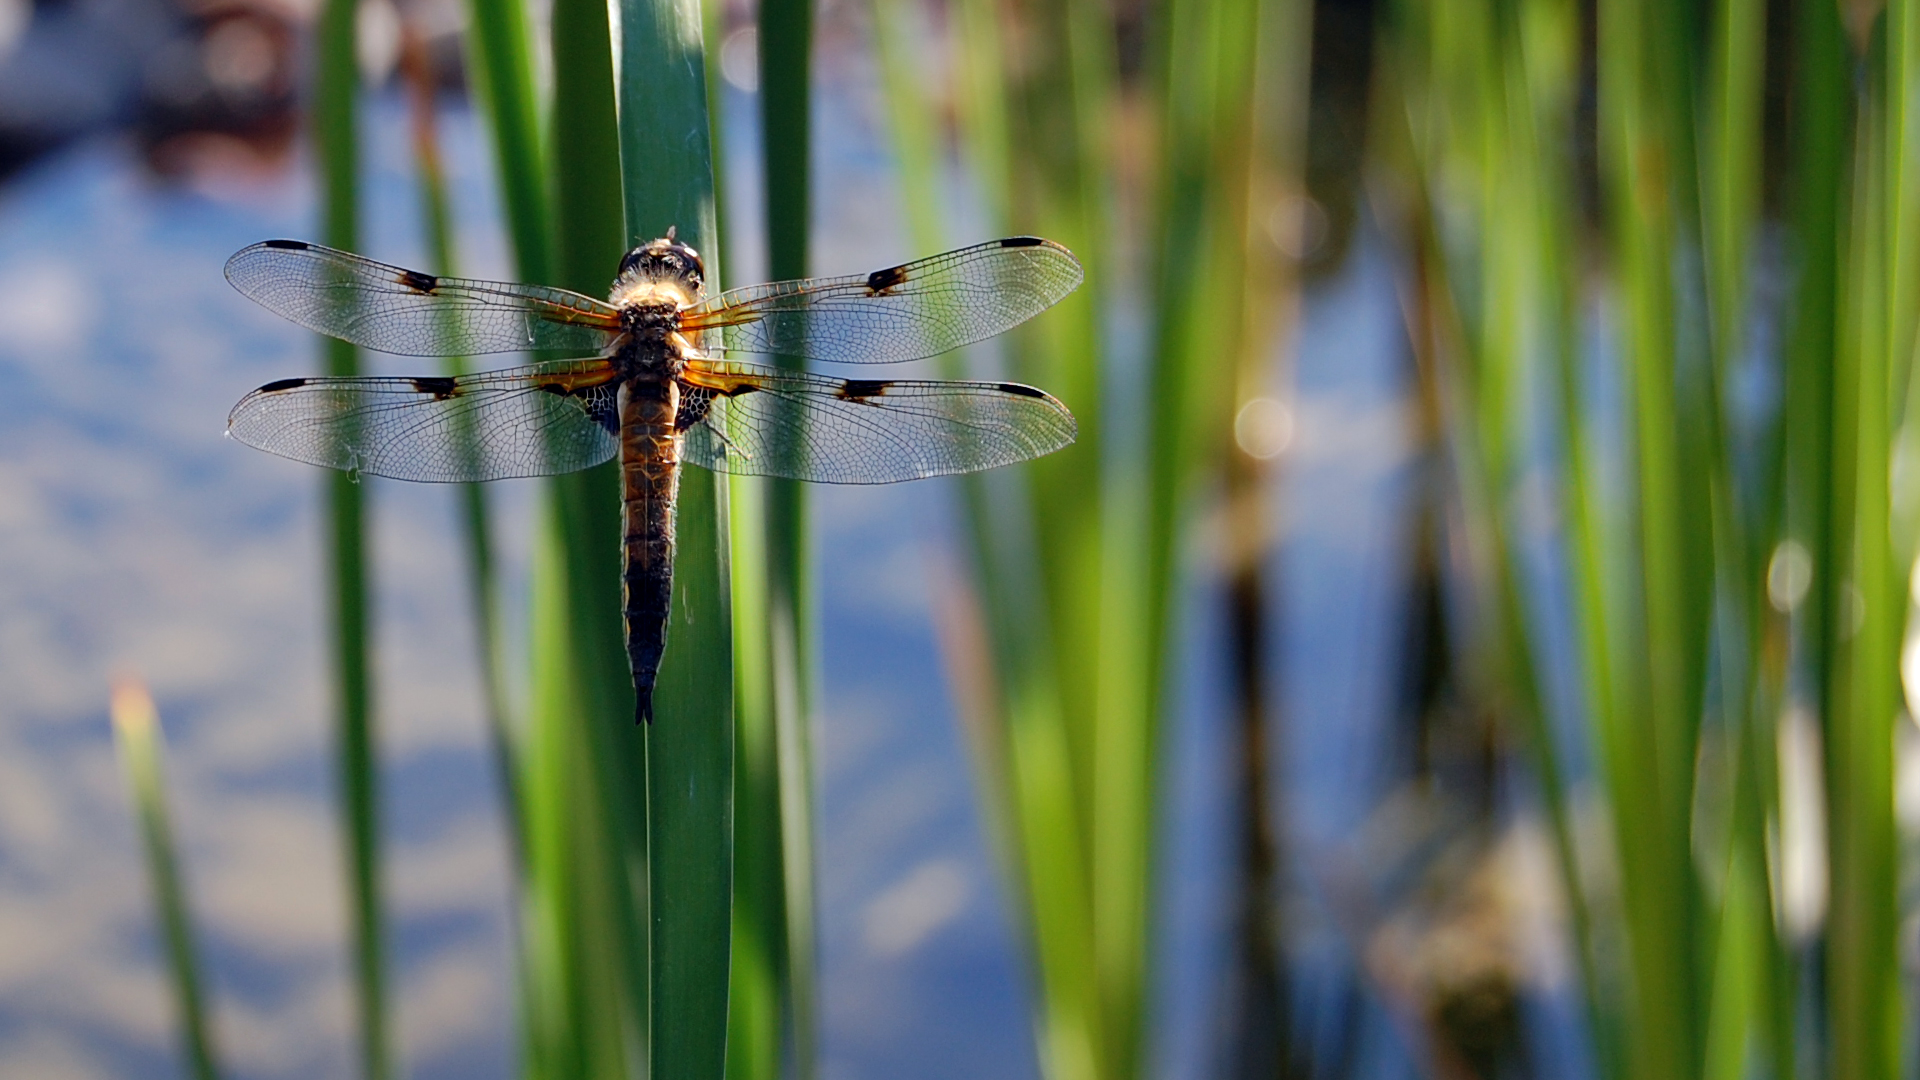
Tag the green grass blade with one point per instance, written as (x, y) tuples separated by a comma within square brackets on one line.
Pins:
[(475, 527), (917, 149), (1040, 554), (920, 160), (755, 1010), (786, 100), (1208, 71), (1820, 123), (754, 1019), (586, 945), (1864, 988), (1740, 1023), (668, 173), (136, 728), (584, 963), (793, 703), (1730, 165), (1737, 978), (585, 960), (609, 877), (500, 63), (1652, 782), (335, 132), (588, 243)]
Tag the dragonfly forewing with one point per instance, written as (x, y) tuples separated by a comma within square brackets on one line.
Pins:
[(907, 312), (394, 310)]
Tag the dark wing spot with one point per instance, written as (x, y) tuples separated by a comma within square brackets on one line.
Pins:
[(288, 245), (1022, 241), (278, 385), (1023, 391), (439, 386), (881, 282), (694, 401), (599, 401), (419, 282), (862, 389), (602, 408)]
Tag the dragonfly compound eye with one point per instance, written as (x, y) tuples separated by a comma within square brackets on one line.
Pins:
[(664, 258), (691, 266)]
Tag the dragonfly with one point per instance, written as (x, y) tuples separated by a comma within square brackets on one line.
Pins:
[(659, 386)]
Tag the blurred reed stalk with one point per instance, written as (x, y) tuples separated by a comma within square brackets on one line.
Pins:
[(584, 978), (1034, 751), (773, 971), (336, 149), (1678, 504), (136, 730), (422, 84), (1261, 1043), (757, 988), (1077, 557)]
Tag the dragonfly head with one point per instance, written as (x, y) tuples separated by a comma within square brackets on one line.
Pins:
[(666, 260)]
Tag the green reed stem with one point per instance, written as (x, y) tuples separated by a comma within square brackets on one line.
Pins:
[(136, 728), (920, 160), (1209, 122), (755, 995), (786, 101), (667, 165), (335, 132), (1653, 771), (549, 1011), (1737, 1009), (500, 62), (584, 982), (1869, 609), (1041, 560), (608, 844), (475, 527), (1820, 123)]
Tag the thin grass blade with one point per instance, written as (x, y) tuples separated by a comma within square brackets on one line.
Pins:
[(611, 871), (786, 867), (476, 529), (136, 729), (666, 165), (336, 136)]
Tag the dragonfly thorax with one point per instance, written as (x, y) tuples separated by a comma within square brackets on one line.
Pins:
[(651, 348), (650, 318)]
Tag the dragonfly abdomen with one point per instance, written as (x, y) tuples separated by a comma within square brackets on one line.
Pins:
[(650, 480)]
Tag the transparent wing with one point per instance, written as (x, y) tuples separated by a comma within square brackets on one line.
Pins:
[(761, 422), (393, 310), (906, 312), (527, 421)]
